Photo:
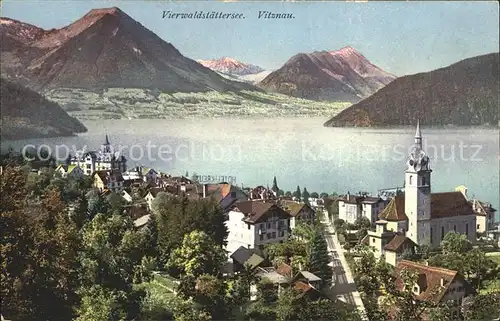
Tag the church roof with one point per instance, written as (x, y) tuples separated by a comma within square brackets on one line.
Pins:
[(447, 204), (395, 210)]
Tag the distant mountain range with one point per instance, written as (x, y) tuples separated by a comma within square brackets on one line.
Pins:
[(104, 49), (342, 75), (26, 114), (465, 93), (231, 66), (233, 69)]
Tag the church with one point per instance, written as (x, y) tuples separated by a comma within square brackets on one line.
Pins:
[(417, 216)]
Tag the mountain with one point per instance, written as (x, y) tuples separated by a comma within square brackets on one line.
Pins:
[(465, 93), (106, 48), (342, 75), (231, 66), (26, 114)]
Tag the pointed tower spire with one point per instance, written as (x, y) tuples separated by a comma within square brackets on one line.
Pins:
[(418, 135)]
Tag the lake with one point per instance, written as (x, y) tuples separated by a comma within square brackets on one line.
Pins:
[(298, 151)]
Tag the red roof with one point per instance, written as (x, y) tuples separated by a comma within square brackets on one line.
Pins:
[(429, 280)]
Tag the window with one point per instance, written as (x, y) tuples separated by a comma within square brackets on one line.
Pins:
[(478, 226), (274, 235), (373, 240), (269, 225), (282, 233), (261, 225), (410, 180), (467, 229), (269, 235), (442, 233), (248, 225), (424, 180), (262, 237)]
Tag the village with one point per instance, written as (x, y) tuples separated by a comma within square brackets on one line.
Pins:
[(316, 244)]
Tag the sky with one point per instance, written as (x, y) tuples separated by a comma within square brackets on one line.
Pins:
[(400, 37)]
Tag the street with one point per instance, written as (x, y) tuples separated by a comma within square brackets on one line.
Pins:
[(343, 286)]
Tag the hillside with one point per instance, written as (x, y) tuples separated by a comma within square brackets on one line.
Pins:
[(106, 48), (465, 93), (342, 75), (26, 114)]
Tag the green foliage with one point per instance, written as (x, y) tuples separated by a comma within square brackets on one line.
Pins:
[(181, 216), (319, 259), (314, 195), (112, 250), (288, 194), (481, 307), (305, 196), (198, 255), (455, 243), (38, 252), (297, 194)]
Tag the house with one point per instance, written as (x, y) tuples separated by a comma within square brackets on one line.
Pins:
[(244, 257), (353, 207), (151, 195), (136, 211), (485, 216), (436, 285), (261, 193), (111, 180), (149, 175), (300, 212), (142, 221), (398, 245), (70, 171), (308, 278), (126, 196), (252, 224), (272, 275)]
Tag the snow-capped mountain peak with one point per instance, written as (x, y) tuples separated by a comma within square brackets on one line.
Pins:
[(231, 66)]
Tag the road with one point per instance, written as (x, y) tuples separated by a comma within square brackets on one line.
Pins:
[(344, 287)]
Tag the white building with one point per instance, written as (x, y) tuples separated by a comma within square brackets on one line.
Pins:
[(353, 207), (103, 160), (420, 215), (252, 224)]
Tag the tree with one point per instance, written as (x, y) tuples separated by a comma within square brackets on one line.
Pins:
[(455, 243), (481, 307), (323, 195), (314, 195), (210, 292), (319, 259), (160, 202), (304, 231), (112, 251), (275, 187), (297, 194), (305, 196), (339, 224), (181, 216), (288, 194), (197, 255), (38, 252)]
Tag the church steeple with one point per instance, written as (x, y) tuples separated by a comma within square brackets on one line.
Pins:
[(418, 136), (106, 147)]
